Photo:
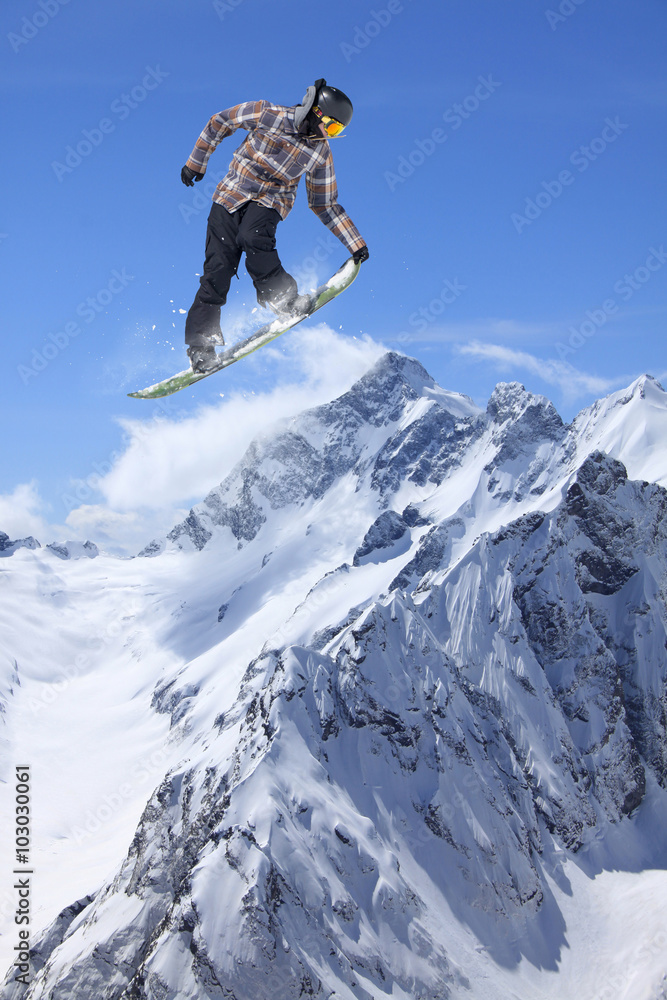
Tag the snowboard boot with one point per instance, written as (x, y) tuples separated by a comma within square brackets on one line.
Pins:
[(290, 304), (202, 359)]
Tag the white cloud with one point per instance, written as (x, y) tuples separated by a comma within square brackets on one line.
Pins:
[(434, 332), (572, 382), (118, 532), (169, 463), (21, 513)]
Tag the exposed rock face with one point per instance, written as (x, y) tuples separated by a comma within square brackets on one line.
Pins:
[(9, 547), (74, 550), (303, 461), (387, 529), (63, 550)]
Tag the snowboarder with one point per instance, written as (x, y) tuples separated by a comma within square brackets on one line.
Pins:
[(257, 192)]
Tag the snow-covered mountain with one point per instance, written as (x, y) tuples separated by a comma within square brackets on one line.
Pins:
[(384, 716)]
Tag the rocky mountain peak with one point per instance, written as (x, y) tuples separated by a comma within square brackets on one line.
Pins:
[(519, 417), (647, 387), (512, 401), (8, 546), (393, 423), (380, 395)]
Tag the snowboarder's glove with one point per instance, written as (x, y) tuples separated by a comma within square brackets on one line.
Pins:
[(359, 256), (190, 176)]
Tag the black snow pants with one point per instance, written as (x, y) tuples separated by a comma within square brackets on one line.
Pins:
[(251, 229)]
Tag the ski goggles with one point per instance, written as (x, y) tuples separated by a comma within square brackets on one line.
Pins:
[(332, 127)]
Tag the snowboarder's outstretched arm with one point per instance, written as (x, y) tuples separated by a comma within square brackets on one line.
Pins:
[(219, 127), (323, 199)]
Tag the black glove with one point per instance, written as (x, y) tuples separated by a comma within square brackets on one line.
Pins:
[(359, 256), (190, 176)]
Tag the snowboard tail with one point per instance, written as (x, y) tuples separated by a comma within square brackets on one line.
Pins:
[(341, 280)]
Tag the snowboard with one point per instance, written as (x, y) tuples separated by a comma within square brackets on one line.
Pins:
[(341, 280)]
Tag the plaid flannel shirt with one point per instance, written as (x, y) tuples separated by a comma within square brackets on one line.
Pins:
[(268, 164)]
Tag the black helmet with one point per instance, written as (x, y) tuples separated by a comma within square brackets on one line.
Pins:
[(333, 103)]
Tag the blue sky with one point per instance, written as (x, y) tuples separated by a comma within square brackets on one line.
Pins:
[(505, 165)]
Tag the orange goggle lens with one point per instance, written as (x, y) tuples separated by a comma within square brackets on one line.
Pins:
[(331, 126)]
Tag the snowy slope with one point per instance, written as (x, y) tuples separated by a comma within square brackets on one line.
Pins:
[(383, 717), (629, 425)]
